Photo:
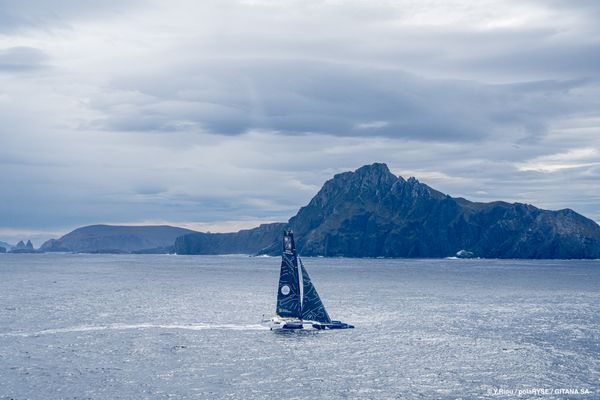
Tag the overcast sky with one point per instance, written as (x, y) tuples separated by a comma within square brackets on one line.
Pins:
[(222, 114)]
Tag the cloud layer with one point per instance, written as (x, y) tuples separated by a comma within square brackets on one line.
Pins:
[(226, 113)]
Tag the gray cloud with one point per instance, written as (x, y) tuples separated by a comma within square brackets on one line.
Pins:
[(295, 96), (20, 59), (39, 14)]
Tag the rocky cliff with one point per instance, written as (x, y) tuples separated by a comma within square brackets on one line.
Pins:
[(373, 213)]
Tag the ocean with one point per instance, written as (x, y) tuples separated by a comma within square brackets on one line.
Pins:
[(76, 326)]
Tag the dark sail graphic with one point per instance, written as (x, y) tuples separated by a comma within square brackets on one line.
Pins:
[(312, 306), (289, 292)]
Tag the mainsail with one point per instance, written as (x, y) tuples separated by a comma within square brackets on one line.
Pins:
[(289, 297), (297, 296)]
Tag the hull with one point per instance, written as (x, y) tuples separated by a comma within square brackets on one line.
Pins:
[(333, 325), (288, 324)]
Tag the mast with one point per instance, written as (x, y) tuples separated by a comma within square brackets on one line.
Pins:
[(300, 282)]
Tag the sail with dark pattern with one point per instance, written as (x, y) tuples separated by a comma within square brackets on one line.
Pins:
[(297, 296), (289, 292), (312, 306)]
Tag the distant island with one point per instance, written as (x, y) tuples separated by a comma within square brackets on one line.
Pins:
[(117, 239), (371, 212)]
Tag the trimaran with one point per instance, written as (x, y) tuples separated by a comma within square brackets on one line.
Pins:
[(298, 303)]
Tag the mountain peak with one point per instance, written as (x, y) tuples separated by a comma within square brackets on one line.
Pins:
[(371, 178), (375, 168)]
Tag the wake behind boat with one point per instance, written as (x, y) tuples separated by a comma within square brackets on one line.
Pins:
[(298, 303)]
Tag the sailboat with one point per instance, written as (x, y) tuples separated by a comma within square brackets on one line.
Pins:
[(298, 303)]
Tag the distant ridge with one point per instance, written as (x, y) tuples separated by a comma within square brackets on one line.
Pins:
[(373, 213), (117, 239), (247, 241)]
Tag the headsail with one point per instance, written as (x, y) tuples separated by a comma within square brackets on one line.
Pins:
[(312, 306), (289, 297)]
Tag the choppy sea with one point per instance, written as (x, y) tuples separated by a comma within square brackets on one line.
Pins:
[(176, 327)]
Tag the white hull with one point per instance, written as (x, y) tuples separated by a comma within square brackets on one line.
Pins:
[(278, 323)]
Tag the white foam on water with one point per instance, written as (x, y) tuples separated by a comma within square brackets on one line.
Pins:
[(118, 327)]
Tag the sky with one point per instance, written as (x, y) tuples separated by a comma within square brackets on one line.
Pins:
[(220, 115)]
